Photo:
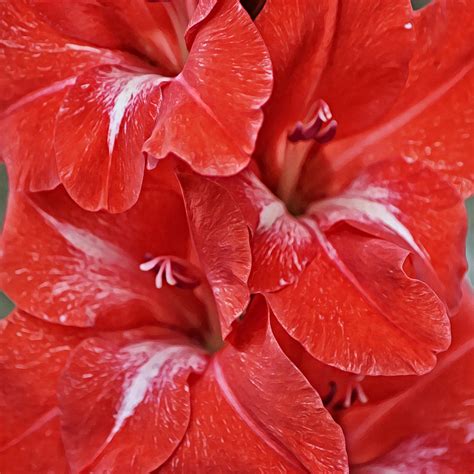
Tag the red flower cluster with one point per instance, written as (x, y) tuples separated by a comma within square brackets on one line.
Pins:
[(236, 236)]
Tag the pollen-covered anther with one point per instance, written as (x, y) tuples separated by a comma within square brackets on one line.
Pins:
[(174, 271), (321, 129)]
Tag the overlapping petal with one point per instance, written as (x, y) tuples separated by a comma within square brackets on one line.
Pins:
[(108, 113), (269, 416), (37, 65), (310, 44), (430, 421), (136, 26), (385, 235), (77, 268), (98, 118), (282, 245), (221, 240), (32, 356), (410, 204), (432, 120), (124, 400), (211, 112), (34, 56), (343, 313)]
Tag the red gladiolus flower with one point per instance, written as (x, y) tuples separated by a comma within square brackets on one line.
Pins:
[(86, 83), (292, 302), (134, 386)]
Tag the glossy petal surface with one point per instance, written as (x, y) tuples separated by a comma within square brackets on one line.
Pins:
[(136, 26), (432, 120), (221, 240), (281, 244), (432, 416), (83, 267), (32, 355), (258, 430), (30, 157), (413, 206), (125, 401), (310, 44), (103, 122), (37, 55), (341, 309), (217, 96)]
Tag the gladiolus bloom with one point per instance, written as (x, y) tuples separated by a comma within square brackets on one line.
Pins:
[(236, 240)]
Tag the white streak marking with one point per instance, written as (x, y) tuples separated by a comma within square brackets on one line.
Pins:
[(269, 214)]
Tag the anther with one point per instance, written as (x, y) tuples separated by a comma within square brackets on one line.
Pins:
[(321, 129), (174, 271)]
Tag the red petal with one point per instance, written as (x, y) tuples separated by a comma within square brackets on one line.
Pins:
[(197, 121), (414, 206), (102, 125), (77, 268), (355, 308), (221, 239), (282, 246), (436, 411), (134, 25), (37, 65), (354, 55), (125, 402), (35, 55), (432, 120), (253, 411), (30, 157), (32, 355)]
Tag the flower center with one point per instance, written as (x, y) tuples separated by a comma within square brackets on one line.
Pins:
[(353, 392), (172, 18), (174, 271), (301, 145)]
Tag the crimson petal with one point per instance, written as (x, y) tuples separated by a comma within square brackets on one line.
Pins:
[(36, 69), (432, 120), (124, 400), (77, 268), (432, 416), (282, 245), (133, 25), (221, 64), (414, 206), (32, 356), (253, 410), (221, 239), (341, 309), (315, 48), (103, 122)]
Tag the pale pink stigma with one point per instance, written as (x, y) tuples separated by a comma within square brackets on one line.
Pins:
[(355, 388), (321, 129), (174, 271)]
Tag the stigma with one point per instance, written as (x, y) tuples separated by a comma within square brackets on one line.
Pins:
[(173, 271), (322, 127)]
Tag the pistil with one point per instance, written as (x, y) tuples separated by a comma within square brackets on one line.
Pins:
[(300, 145), (174, 271)]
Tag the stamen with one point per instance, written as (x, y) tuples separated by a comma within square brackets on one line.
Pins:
[(321, 129), (331, 394), (355, 392), (176, 272)]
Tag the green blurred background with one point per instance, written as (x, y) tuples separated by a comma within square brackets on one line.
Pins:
[(6, 306)]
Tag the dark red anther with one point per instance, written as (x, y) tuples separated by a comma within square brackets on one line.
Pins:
[(322, 128)]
